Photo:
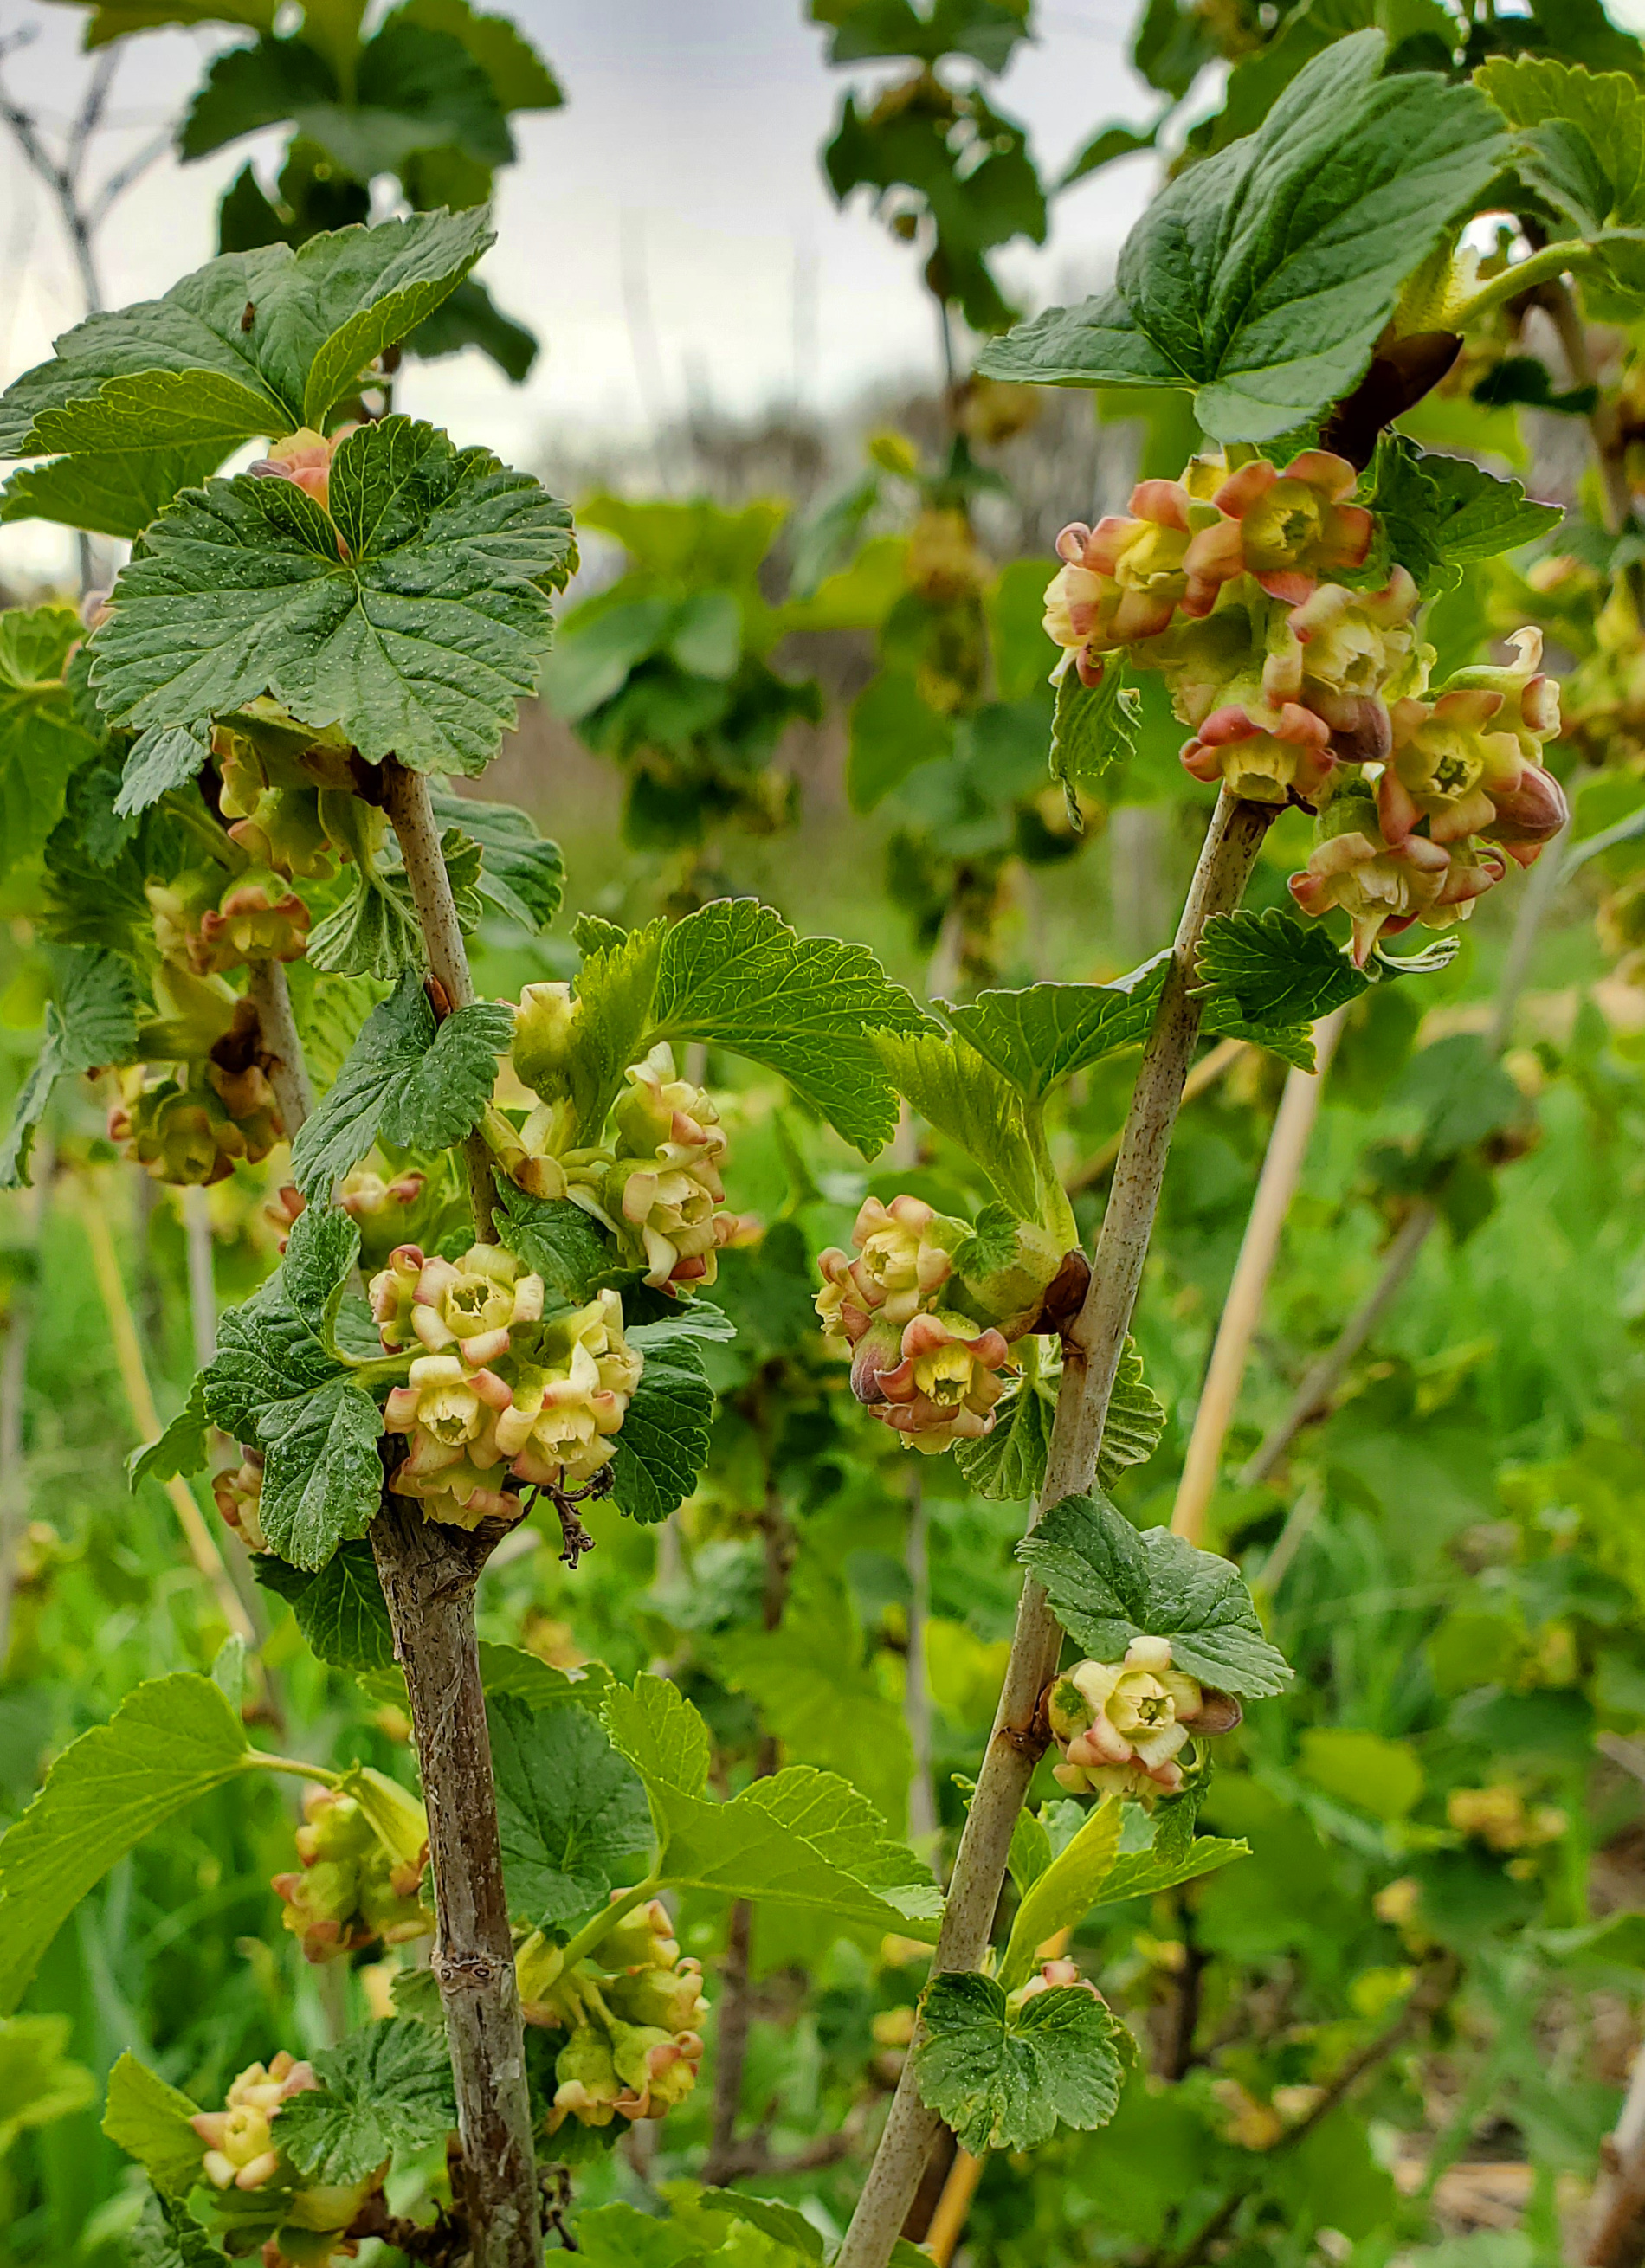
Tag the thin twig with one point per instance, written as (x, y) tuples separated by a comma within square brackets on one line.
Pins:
[(1282, 1171), (922, 1802), (1093, 1347)]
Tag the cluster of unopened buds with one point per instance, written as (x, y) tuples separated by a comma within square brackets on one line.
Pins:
[(632, 2012), (362, 1867), (1122, 1725), (196, 1129), (379, 1209), (1500, 1817), (496, 1392), (924, 1365), (657, 1186), (242, 2154), (1298, 688)]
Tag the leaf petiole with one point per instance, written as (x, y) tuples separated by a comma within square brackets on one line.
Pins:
[(576, 1948), (255, 1760)]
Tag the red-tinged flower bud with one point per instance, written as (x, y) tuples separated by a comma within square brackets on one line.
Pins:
[(1124, 581), (1290, 529), (303, 458), (1263, 754), (238, 1494), (905, 1256), (569, 1398), (945, 1386), (1448, 761), (644, 1938), (1345, 654), (240, 2150), (1053, 1976)]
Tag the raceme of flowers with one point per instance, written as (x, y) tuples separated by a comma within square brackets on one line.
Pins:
[(1298, 688), (656, 1185), (930, 1351), (1122, 1727), (496, 1391), (360, 1874), (631, 2013)]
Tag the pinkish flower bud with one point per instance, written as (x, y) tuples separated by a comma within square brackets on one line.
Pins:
[(238, 1494), (1122, 1725), (303, 458)]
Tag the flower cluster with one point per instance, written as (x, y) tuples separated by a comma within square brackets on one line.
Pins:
[(1122, 1725), (362, 1867), (193, 1128), (1298, 688), (242, 2154), (931, 1366), (238, 1494), (657, 1187), (1051, 1975), (1501, 1817), (631, 2012), (497, 1392)]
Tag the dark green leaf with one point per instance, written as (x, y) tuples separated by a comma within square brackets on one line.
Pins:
[(572, 1812), (340, 1610), (1004, 2082), (157, 393), (1437, 513), (419, 644), (166, 2237), (1094, 728), (323, 1478), (1043, 1035), (560, 1243), (521, 874), (663, 1445), (180, 1450), (961, 1094), (386, 2089), (320, 1252), (90, 1025), (41, 740), (1110, 1582), (1263, 276), (733, 974), (1266, 977), (985, 30), (893, 731), (416, 1085)]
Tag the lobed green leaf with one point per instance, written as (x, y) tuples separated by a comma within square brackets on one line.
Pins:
[(1004, 2080)]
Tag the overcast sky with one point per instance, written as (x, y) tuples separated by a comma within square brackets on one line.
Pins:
[(667, 233)]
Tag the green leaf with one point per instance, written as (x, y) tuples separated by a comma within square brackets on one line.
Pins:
[(1007, 1465), (1045, 1035), (522, 876), (414, 1084), (1436, 513), (1134, 1422), (616, 985), (1383, 1777), (169, 1741), (985, 30), (1030, 1851), (520, 78), (42, 740), (149, 2121), (511, 1670), (323, 1477), (320, 1255), (619, 2235), (800, 1839), (1094, 728), (386, 2089), (166, 2235), (1003, 2082), (572, 1810), (660, 1734), (1263, 276), (181, 1450), (560, 1243), (419, 644), (1266, 977), (735, 974), (275, 1382), (340, 1610), (783, 2224), (471, 318), (155, 394), (92, 1024), (961, 1094), (1110, 1582), (373, 934), (1065, 1893), (1584, 151), (663, 1445), (1144, 1873)]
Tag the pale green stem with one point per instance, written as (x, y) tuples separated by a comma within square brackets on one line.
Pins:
[(255, 1760), (577, 1948)]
